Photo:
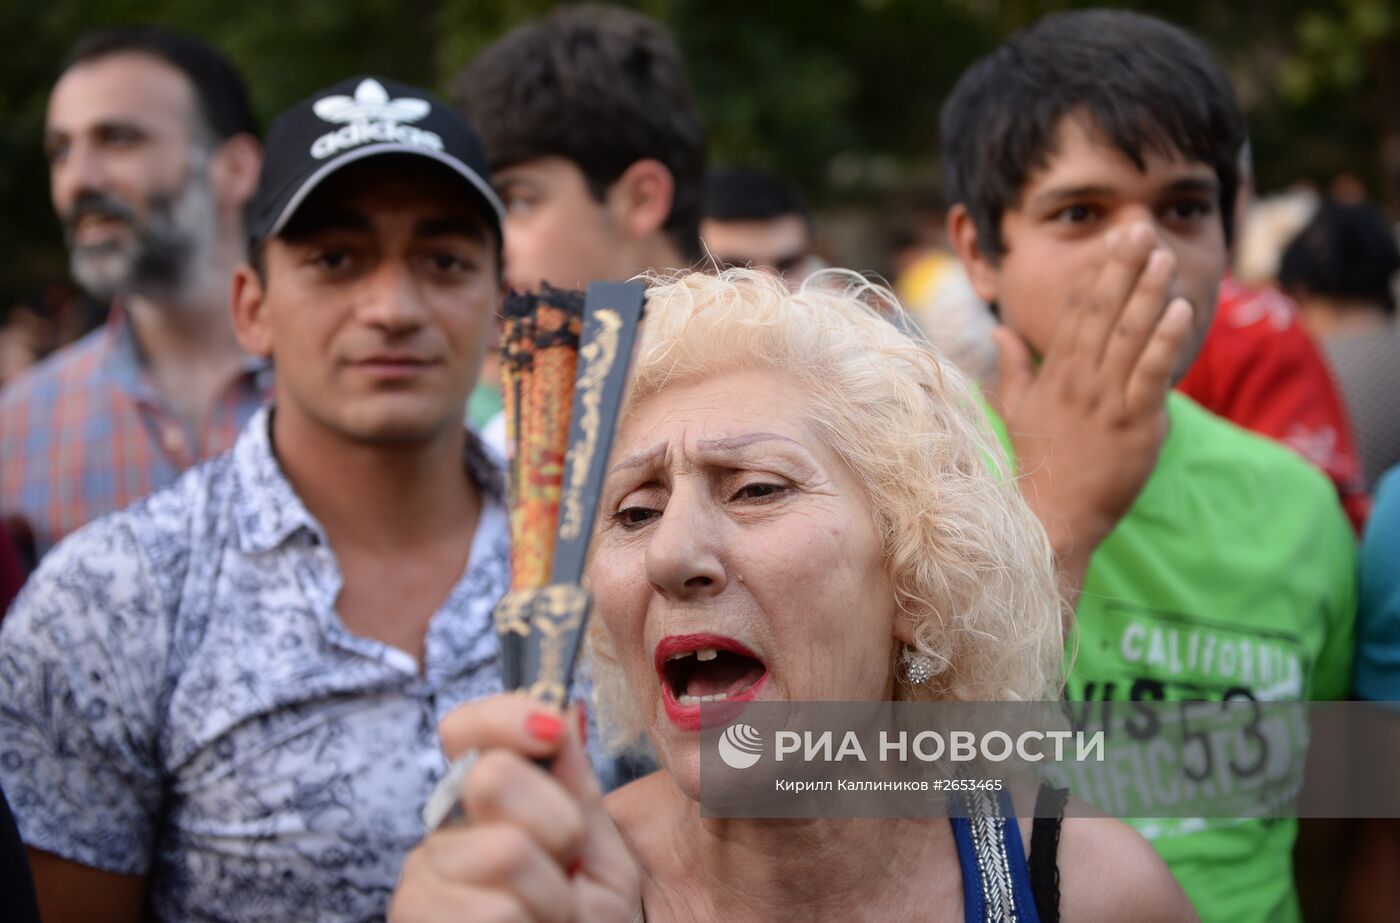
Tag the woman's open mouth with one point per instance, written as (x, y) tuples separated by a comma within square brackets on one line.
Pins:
[(704, 669)]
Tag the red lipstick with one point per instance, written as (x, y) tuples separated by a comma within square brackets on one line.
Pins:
[(688, 716)]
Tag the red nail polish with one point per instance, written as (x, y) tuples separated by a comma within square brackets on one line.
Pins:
[(573, 868), (544, 727), (583, 725)]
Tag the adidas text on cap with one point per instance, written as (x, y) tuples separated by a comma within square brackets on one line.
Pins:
[(358, 118)]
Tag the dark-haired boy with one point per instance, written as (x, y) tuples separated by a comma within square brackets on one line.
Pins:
[(1093, 159), (595, 144), (752, 218), (221, 703), (152, 153)]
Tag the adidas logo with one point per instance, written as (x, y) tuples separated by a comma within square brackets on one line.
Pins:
[(371, 116)]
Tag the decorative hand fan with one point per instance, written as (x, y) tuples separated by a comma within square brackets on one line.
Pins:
[(564, 371)]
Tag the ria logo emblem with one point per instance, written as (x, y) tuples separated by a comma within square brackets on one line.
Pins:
[(369, 116), (740, 746)]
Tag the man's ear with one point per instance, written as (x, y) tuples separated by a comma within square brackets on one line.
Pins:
[(233, 171), (250, 321), (962, 234), (640, 200)]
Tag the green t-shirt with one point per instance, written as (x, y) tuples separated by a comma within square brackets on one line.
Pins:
[(483, 405), (1234, 570)]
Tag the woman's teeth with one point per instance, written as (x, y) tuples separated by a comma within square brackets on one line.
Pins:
[(728, 677), (705, 653), (697, 699)]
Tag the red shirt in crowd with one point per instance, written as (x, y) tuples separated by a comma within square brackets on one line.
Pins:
[(1259, 369)]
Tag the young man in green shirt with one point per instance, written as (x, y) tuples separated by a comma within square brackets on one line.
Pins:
[(1093, 163)]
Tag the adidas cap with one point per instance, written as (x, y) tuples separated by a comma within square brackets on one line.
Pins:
[(358, 118)]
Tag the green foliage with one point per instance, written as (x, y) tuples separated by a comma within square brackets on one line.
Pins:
[(842, 96), (1333, 46)]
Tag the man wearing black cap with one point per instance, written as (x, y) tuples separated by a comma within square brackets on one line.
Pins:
[(221, 703)]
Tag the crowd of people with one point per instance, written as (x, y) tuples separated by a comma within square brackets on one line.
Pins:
[(255, 523)]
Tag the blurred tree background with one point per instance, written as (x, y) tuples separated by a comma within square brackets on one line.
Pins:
[(840, 96)]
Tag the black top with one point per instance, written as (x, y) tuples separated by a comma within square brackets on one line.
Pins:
[(16, 885), (1045, 847)]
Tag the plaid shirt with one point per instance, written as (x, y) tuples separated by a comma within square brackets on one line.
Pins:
[(86, 432)]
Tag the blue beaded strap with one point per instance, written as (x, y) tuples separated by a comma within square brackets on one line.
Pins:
[(996, 881)]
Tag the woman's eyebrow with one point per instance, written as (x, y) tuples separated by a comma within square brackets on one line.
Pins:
[(741, 449), (707, 446), (730, 443), (641, 458)]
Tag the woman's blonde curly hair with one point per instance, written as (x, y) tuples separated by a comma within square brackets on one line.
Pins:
[(969, 563)]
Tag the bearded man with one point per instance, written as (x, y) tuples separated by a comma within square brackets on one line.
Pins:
[(152, 153)]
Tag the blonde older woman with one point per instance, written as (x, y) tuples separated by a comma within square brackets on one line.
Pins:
[(804, 504)]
